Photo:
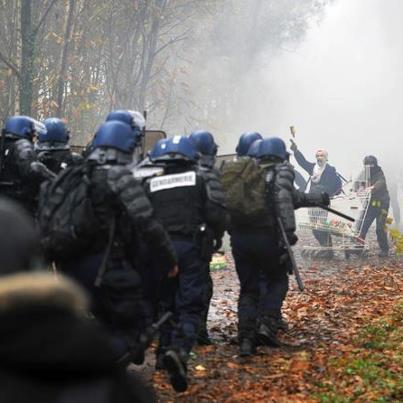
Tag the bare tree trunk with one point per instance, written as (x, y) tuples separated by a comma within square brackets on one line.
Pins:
[(27, 57), (63, 62), (154, 32)]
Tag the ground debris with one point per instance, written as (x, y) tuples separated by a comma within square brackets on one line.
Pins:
[(342, 344)]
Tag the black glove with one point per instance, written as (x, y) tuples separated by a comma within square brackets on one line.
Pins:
[(40, 170), (325, 199), (292, 238)]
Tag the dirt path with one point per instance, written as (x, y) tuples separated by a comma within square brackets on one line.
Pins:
[(341, 300)]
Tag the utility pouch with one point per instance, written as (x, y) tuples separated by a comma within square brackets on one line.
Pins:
[(204, 238)]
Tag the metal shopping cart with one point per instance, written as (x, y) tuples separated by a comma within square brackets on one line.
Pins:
[(344, 235)]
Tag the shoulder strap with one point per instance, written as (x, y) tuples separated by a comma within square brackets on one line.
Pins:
[(102, 267)]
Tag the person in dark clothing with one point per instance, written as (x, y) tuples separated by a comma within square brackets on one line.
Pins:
[(21, 174), (253, 152), (53, 147), (245, 142), (205, 144), (323, 178), (260, 259), (125, 220), (378, 205), (151, 268), (49, 352), (186, 201)]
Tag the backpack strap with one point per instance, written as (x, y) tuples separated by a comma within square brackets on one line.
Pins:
[(102, 267)]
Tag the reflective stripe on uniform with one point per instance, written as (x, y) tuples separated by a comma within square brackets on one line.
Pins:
[(173, 181)]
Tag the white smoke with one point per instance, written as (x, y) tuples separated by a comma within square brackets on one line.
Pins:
[(341, 88)]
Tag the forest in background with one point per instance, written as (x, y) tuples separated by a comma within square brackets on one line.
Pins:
[(181, 60)]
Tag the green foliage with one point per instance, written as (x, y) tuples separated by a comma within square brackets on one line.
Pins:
[(371, 372)]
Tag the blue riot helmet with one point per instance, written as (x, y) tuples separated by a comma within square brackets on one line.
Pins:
[(158, 150), (24, 127), (56, 131), (272, 147), (177, 148), (133, 118), (115, 134), (204, 142), (254, 149), (245, 141)]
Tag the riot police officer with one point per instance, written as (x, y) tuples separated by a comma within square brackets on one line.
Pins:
[(125, 220), (20, 171), (254, 149), (53, 147), (186, 202), (137, 122), (132, 118), (206, 146), (245, 141), (259, 253)]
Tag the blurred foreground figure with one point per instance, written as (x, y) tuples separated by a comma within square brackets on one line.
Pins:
[(21, 174), (323, 178), (53, 147), (259, 195), (48, 352), (378, 205)]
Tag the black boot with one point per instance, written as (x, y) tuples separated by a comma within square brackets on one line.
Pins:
[(203, 338), (159, 362), (176, 368), (383, 253), (247, 348), (267, 332), (282, 324)]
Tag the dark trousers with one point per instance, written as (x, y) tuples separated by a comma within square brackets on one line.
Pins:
[(379, 214), (118, 303), (263, 280), (207, 295), (184, 297)]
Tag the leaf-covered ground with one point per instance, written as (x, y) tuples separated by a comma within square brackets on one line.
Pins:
[(344, 343)]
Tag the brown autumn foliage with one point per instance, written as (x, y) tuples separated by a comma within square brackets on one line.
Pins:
[(325, 353), (82, 58)]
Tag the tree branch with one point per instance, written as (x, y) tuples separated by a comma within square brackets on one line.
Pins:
[(10, 64), (50, 5), (171, 42)]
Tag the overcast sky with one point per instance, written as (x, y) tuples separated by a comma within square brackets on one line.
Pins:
[(342, 87)]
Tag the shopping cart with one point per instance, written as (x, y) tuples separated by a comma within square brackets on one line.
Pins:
[(342, 236)]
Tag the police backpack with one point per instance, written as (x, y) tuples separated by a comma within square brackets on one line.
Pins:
[(245, 190), (66, 218)]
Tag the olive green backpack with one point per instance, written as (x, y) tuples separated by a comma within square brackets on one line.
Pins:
[(245, 190)]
